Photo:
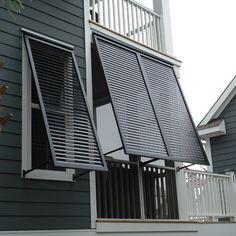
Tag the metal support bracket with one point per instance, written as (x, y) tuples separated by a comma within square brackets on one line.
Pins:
[(149, 161), (115, 150), (183, 167), (25, 172), (79, 175)]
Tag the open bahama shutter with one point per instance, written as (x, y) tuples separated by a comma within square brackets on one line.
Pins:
[(152, 115), (70, 130)]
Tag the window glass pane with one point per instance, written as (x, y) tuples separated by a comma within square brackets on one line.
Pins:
[(108, 132)]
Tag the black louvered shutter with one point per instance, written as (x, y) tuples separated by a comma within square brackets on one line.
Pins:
[(137, 121), (152, 115), (174, 115), (70, 129)]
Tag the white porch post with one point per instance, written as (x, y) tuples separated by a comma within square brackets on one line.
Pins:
[(162, 8), (182, 195), (88, 62), (208, 152)]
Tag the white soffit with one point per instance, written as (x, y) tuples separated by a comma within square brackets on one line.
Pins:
[(221, 103)]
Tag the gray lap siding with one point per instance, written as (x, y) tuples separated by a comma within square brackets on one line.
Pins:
[(35, 204), (224, 147)]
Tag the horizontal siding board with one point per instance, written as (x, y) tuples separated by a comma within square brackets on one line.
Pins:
[(224, 147), (11, 52), (10, 140), (42, 20), (26, 203), (10, 39), (46, 210), (74, 8), (10, 166), (13, 89), (12, 127), (11, 64), (15, 111), (10, 75), (74, 2), (12, 181), (11, 153), (53, 21), (56, 10), (223, 152), (11, 100), (46, 223), (45, 196), (14, 28), (226, 162)]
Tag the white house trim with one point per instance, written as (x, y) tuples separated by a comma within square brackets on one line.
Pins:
[(213, 131), (221, 103), (89, 93), (111, 34), (148, 226)]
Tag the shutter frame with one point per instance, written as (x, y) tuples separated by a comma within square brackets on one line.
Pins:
[(76, 164)]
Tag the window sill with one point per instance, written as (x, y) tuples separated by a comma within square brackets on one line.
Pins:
[(51, 175)]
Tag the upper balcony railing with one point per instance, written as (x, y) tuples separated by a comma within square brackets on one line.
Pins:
[(129, 19)]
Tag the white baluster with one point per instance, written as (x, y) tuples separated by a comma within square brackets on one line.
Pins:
[(99, 12), (114, 14), (151, 29), (93, 11), (123, 14), (104, 13), (109, 13), (133, 23), (146, 27), (128, 19), (137, 20), (142, 25), (119, 19)]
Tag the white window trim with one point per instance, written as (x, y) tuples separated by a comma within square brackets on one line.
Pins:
[(66, 175)]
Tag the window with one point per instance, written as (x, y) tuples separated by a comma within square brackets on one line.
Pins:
[(58, 132)]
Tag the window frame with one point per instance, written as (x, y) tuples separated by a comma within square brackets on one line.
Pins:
[(56, 175)]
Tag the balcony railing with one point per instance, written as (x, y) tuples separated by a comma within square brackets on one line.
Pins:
[(209, 195), (129, 191), (130, 19)]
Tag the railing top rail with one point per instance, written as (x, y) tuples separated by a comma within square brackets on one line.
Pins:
[(143, 7), (110, 159), (161, 167), (207, 173)]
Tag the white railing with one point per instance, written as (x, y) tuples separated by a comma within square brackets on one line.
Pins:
[(130, 19), (210, 196)]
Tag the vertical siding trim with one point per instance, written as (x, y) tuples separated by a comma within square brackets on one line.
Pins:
[(26, 110), (89, 92)]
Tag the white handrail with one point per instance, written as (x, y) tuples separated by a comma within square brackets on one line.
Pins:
[(129, 18)]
